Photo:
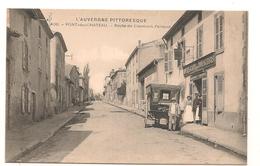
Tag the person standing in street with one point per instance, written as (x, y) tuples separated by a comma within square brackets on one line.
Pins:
[(195, 107), (173, 114), (187, 114)]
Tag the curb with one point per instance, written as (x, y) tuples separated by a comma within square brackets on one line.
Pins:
[(214, 143), (128, 110), (39, 142)]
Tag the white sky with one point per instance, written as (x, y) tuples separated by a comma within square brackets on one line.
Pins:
[(109, 47)]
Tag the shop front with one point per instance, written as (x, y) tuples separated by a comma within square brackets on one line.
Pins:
[(196, 74)]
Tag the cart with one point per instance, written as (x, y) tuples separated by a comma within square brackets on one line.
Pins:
[(158, 100)]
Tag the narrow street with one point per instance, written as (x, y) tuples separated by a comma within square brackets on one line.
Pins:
[(102, 133)]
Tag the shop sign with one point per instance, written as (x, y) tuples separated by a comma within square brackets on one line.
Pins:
[(200, 65)]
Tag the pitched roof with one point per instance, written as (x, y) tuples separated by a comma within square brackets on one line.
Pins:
[(37, 14), (59, 35), (188, 15)]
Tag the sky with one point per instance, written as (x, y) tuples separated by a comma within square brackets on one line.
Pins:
[(109, 41)]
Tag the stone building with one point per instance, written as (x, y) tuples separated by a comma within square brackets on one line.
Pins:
[(86, 78), (207, 54), (74, 77), (106, 91), (118, 86), (58, 80), (28, 67), (142, 55), (81, 89)]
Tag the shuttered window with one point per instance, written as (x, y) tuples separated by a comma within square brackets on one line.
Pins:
[(219, 31), (199, 41), (25, 98), (25, 26), (204, 93), (170, 61), (166, 62), (25, 56)]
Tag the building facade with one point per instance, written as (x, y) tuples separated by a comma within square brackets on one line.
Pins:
[(207, 54), (86, 78), (74, 77), (58, 80), (118, 86), (81, 90), (28, 67), (142, 55)]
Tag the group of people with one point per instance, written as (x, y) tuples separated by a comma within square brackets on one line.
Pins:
[(190, 111)]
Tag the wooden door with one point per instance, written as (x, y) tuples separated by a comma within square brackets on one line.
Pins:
[(204, 101), (218, 95)]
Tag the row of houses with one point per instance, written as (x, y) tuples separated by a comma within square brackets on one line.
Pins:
[(38, 82), (203, 52)]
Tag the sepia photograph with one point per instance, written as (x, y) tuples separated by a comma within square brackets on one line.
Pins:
[(99, 86)]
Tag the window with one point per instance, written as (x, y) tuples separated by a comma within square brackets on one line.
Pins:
[(40, 33), (219, 31), (170, 61), (165, 95), (25, 99), (166, 62), (39, 58), (182, 31), (25, 56), (25, 26), (199, 41), (182, 46)]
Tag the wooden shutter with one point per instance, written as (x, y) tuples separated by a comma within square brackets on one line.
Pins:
[(221, 31), (170, 61), (199, 41), (216, 32), (204, 93)]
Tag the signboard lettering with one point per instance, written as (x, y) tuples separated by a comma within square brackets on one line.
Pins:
[(200, 65)]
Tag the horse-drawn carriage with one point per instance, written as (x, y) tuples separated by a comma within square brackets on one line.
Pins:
[(158, 100)]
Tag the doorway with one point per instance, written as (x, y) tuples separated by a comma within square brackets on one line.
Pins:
[(199, 85)]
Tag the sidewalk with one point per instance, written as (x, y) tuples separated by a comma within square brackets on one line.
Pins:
[(129, 109), (20, 141), (228, 140)]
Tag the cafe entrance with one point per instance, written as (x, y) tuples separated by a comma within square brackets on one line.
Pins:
[(198, 84)]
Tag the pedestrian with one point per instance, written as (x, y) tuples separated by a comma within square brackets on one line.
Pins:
[(195, 108), (173, 114), (187, 114)]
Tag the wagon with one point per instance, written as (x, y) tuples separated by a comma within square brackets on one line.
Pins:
[(158, 100)]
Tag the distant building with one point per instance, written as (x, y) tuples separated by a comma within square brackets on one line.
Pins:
[(141, 56), (81, 90), (118, 86), (107, 89), (69, 85), (28, 67), (86, 78), (58, 81), (74, 77)]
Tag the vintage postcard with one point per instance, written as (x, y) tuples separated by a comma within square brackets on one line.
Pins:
[(89, 86)]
